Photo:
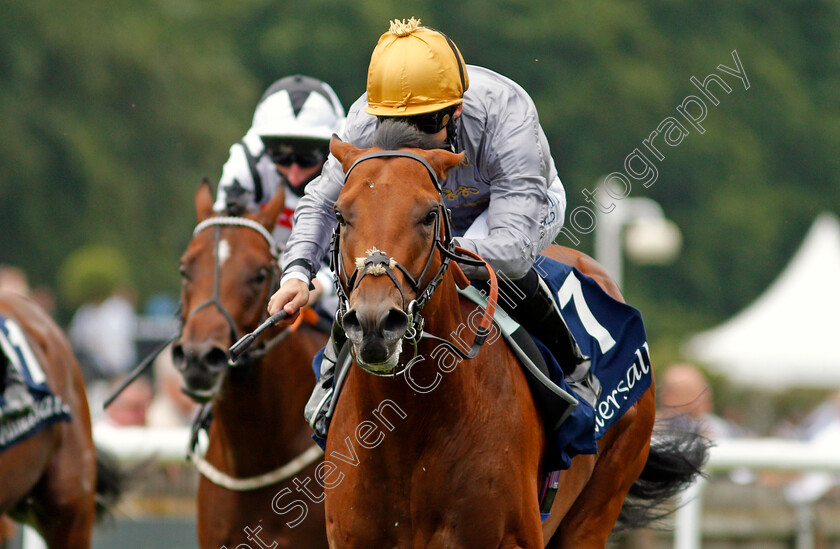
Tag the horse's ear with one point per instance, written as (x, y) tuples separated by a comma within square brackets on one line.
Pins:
[(344, 152), (204, 200), (442, 160), (272, 209)]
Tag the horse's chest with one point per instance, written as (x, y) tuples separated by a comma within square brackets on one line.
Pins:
[(428, 509), (437, 534)]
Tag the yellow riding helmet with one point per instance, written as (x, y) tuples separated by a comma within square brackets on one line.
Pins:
[(414, 70)]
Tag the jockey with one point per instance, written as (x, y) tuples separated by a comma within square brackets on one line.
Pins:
[(506, 199), (287, 145)]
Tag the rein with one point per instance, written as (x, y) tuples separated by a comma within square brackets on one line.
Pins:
[(257, 353), (377, 263), (201, 425)]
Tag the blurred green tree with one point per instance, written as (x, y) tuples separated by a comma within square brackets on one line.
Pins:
[(112, 113)]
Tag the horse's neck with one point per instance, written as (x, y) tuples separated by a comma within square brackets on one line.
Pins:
[(442, 314), (258, 415)]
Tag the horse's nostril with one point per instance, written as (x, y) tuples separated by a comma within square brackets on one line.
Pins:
[(395, 324), (352, 326), (216, 358), (178, 357)]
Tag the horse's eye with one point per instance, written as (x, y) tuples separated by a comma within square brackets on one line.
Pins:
[(430, 217), (261, 276), (339, 217)]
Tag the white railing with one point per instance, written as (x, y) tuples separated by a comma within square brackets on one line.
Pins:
[(170, 445), (754, 454), (129, 444)]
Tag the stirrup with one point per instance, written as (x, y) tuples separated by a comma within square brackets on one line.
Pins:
[(584, 383), (319, 402), (321, 408), (321, 405)]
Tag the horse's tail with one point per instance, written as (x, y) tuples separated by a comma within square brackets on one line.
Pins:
[(674, 462), (110, 483)]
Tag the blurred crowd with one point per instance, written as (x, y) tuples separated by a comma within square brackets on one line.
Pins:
[(102, 332), (685, 400)]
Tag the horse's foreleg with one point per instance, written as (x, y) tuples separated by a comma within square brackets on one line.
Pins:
[(66, 527), (65, 520), (66, 496), (622, 457)]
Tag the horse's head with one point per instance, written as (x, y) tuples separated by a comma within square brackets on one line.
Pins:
[(228, 271), (390, 228)]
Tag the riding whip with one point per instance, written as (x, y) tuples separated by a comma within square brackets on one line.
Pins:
[(248, 339)]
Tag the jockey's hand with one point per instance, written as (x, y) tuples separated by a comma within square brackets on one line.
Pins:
[(291, 296)]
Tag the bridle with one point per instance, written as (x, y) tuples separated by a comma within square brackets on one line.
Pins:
[(377, 262), (258, 352), (251, 356)]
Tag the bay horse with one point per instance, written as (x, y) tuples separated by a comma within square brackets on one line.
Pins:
[(258, 439), (457, 465), (54, 480)]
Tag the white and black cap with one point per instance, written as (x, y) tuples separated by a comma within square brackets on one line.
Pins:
[(298, 107)]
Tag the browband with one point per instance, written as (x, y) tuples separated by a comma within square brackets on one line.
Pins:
[(399, 153)]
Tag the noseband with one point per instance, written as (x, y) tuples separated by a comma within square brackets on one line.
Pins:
[(229, 221), (377, 263)]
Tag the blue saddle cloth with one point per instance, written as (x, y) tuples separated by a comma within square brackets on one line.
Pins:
[(612, 335), (46, 409)]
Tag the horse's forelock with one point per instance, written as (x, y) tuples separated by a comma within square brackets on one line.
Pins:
[(394, 134)]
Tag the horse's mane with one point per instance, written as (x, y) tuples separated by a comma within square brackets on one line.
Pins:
[(394, 134)]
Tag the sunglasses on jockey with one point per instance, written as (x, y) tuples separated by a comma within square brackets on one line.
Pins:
[(284, 155), (430, 123)]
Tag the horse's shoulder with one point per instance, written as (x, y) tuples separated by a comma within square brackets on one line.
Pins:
[(47, 342), (27, 316)]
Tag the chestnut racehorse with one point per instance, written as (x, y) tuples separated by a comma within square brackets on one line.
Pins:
[(51, 479), (457, 465), (258, 439)]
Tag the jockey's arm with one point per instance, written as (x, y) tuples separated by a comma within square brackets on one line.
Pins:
[(237, 185), (527, 199)]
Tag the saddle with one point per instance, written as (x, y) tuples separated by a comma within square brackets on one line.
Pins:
[(554, 403)]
